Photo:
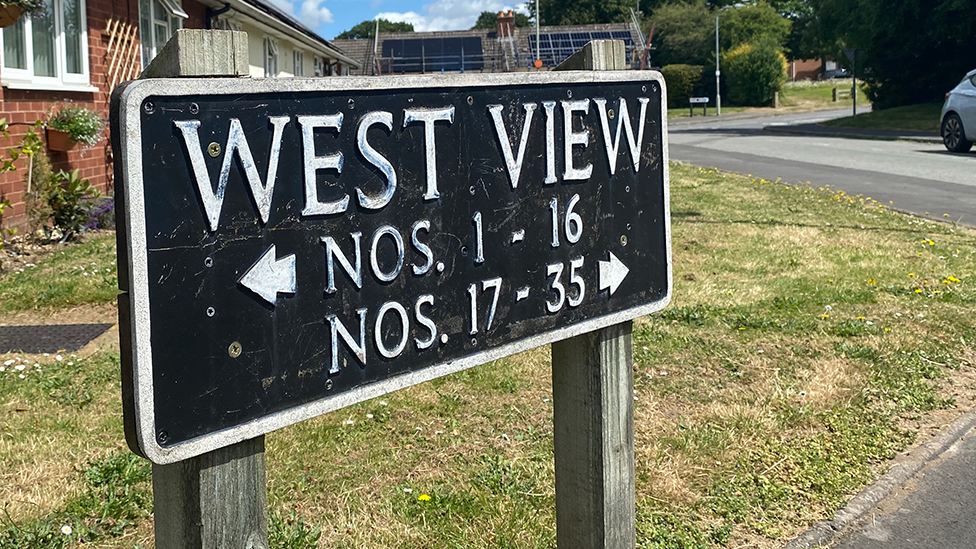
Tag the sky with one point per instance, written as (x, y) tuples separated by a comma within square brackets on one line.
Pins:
[(331, 17)]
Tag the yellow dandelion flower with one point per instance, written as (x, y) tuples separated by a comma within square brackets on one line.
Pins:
[(887, 329), (825, 315), (918, 290), (911, 275), (872, 281), (860, 318), (423, 497)]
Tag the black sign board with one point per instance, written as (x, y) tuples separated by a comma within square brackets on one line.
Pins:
[(294, 246)]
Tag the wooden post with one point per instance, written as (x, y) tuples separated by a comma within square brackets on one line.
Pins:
[(217, 500), (593, 409)]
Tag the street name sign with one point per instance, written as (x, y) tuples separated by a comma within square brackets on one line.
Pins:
[(290, 247)]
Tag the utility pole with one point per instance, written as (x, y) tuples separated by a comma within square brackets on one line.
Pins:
[(538, 57), (718, 73)]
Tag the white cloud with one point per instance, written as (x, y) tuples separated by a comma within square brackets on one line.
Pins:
[(412, 17), (443, 15), (314, 13)]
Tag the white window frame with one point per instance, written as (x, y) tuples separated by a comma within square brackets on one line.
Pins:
[(24, 79), (174, 22), (270, 57), (298, 59), (319, 66)]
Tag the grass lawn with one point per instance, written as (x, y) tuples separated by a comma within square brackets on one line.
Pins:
[(66, 276), (923, 117), (819, 94), (685, 113), (794, 97), (811, 336)]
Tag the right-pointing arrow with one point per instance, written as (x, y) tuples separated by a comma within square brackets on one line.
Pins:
[(612, 273)]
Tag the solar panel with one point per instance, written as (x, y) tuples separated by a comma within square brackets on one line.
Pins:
[(434, 54), (556, 47)]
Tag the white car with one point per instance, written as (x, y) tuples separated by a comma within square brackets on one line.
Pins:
[(959, 115)]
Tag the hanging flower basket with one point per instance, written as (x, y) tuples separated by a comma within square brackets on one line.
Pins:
[(58, 140), (9, 14)]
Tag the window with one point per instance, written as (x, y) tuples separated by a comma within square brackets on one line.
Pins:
[(319, 67), (158, 22), (49, 51), (270, 57), (299, 58)]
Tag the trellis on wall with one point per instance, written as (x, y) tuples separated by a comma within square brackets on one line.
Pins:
[(122, 53)]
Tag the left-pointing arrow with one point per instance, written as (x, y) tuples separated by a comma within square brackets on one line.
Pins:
[(268, 277)]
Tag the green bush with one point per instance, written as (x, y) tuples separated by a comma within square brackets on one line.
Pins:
[(69, 198), (754, 73), (683, 81)]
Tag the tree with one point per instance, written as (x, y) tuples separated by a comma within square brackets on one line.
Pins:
[(910, 51), (798, 12), (581, 12), (683, 34), (489, 20), (751, 23), (367, 28)]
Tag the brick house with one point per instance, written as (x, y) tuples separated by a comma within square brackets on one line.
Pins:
[(79, 50)]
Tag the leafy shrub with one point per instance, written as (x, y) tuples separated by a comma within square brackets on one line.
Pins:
[(67, 197), (683, 82), (754, 73), (82, 124)]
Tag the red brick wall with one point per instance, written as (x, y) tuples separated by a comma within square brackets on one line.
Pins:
[(27, 106), (805, 69)]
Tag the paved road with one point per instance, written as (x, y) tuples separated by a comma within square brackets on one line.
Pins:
[(915, 177), (934, 510)]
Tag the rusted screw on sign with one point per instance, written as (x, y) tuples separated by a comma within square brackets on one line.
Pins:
[(234, 350), (214, 149)]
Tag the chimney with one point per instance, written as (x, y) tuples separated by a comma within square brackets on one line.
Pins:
[(506, 24)]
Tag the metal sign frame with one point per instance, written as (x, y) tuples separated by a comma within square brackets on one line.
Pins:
[(135, 305)]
